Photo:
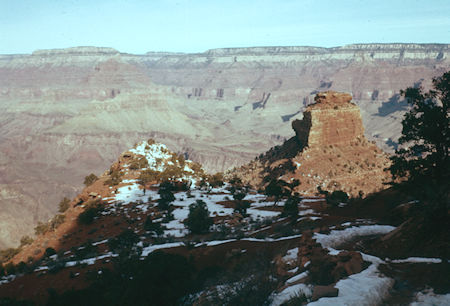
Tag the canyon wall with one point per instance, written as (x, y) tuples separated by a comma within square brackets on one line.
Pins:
[(68, 112)]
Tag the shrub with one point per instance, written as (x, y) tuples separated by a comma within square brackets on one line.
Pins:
[(216, 180), (49, 252), (240, 205), (275, 188), (6, 255), (166, 195), (56, 221), (25, 240), (91, 211), (90, 179), (291, 206), (151, 226), (198, 221), (85, 251), (41, 228), (171, 172), (125, 241), (64, 205), (139, 163), (147, 176), (10, 268), (337, 197), (115, 177)]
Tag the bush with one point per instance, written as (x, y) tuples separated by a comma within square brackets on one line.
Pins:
[(6, 255), (41, 228), (49, 252), (291, 206), (90, 179), (124, 243), (91, 211), (86, 250), (10, 268), (166, 195), (337, 197), (56, 221), (150, 226), (139, 163), (115, 177), (216, 180), (64, 205), (25, 240), (198, 221)]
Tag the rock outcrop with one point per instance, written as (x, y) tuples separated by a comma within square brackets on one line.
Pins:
[(329, 151), (332, 120)]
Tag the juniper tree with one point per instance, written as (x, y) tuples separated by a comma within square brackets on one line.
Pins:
[(422, 164)]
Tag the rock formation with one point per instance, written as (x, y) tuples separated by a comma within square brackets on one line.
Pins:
[(329, 151), (68, 112), (332, 120)]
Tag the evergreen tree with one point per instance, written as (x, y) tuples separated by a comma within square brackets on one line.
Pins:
[(422, 164), (198, 221)]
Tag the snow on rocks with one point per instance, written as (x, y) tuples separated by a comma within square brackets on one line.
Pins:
[(368, 287), (337, 237), (290, 293), (417, 260), (297, 277), (291, 255), (429, 298), (152, 248)]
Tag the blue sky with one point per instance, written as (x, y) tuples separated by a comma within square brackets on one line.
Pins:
[(194, 26)]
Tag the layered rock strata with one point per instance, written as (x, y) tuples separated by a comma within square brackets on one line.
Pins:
[(332, 120), (329, 151)]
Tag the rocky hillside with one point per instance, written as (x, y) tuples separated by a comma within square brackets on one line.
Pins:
[(68, 112), (329, 152), (155, 227)]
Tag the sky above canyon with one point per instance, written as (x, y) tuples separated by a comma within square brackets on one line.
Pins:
[(194, 26)]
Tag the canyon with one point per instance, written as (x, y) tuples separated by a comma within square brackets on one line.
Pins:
[(69, 112)]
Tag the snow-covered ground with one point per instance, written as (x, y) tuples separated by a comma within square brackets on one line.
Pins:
[(429, 298), (337, 237)]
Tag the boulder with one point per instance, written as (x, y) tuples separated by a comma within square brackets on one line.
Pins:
[(324, 291)]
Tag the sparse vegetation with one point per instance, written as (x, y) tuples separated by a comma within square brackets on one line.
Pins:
[(92, 209), (115, 177), (90, 179), (8, 254), (139, 162), (63, 205), (25, 240)]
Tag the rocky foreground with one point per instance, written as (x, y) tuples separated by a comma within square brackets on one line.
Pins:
[(117, 243)]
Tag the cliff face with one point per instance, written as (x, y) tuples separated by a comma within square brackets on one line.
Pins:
[(329, 151), (65, 110), (332, 120)]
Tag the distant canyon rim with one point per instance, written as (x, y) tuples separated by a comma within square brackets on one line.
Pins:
[(66, 113)]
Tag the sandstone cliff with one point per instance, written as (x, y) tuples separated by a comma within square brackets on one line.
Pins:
[(329, 151)]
